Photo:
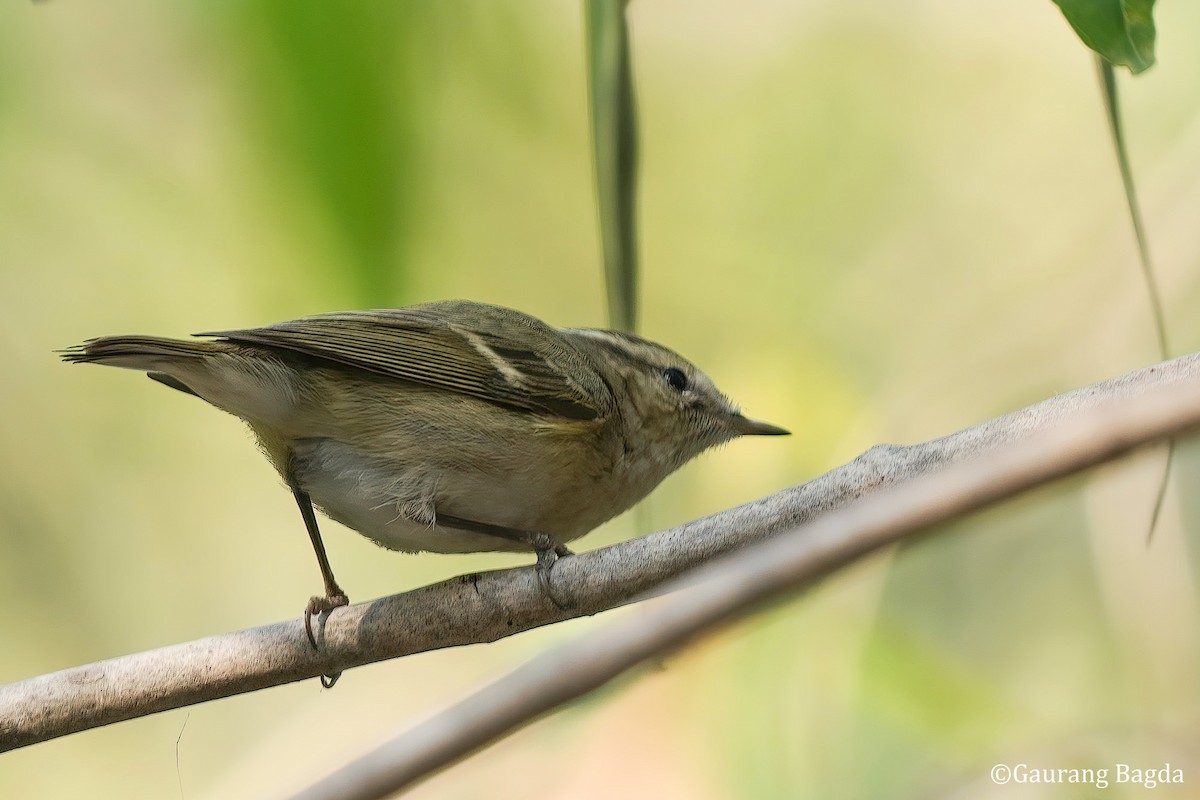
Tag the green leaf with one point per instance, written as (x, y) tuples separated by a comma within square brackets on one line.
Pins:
[(1108, 81), (615, 153), (1121, 31)]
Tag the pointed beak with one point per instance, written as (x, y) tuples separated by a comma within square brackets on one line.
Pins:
[(753, 427)]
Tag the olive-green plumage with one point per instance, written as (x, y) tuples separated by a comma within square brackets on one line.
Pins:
[(392, 419)]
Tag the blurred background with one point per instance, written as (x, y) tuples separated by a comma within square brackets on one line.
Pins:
[(868, 221)]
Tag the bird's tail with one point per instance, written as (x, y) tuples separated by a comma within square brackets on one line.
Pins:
[(150, 353), (172, 362)]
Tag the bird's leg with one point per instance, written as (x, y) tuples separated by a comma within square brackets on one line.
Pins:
[(547, 548), (334, 596)]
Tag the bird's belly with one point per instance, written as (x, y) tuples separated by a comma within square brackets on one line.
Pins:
[(397, 504)]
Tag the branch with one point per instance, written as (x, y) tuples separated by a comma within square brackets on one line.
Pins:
[(732, 586), (488, 606)]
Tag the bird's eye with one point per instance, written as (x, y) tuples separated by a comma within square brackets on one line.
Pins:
[(675, 378)]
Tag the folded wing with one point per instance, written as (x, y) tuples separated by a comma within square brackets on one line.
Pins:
[(505, 358)]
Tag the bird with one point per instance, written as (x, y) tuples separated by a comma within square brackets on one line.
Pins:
[(448, 427)]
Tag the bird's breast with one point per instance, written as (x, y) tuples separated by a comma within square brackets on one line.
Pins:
[(548, 479)]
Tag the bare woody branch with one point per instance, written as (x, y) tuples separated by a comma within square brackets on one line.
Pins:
[(488, 606), (735, 584)]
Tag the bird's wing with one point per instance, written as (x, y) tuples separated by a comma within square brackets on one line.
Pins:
[(505, 358)]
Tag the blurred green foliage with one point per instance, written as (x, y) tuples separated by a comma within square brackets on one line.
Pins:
[(330, 97), (613, 113), (868, 221)]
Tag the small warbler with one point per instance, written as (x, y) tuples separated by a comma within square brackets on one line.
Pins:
[(451, 427)]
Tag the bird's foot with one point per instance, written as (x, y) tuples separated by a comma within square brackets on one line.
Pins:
[(549, 551), (316, 607)]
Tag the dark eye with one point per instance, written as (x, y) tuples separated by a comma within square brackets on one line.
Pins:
[(675, 378)]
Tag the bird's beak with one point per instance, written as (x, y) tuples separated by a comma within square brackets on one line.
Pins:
[(753, 427)]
